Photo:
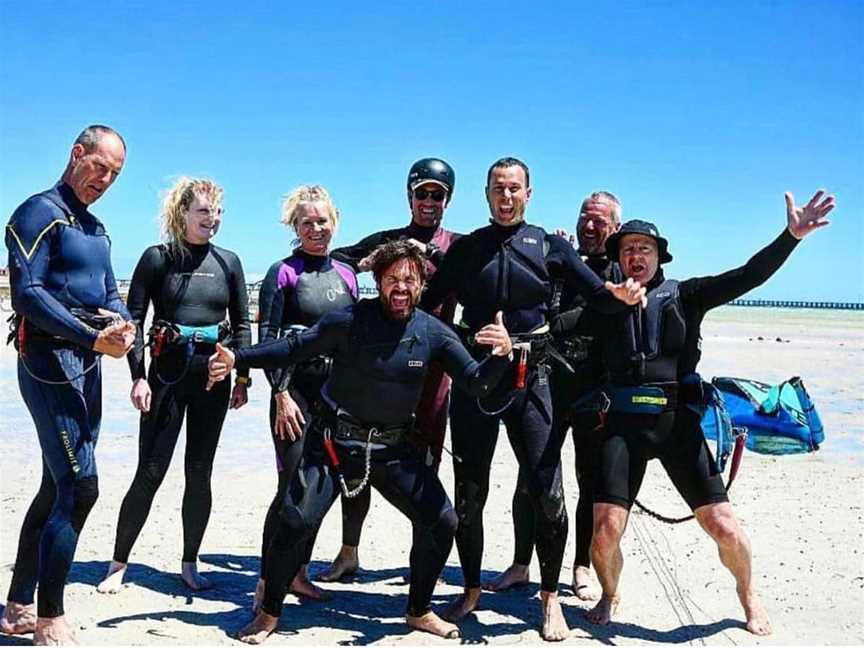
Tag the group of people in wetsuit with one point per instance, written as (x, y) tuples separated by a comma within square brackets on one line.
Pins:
[(550, 338)]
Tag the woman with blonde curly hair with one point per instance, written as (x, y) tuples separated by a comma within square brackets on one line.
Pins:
[(296, 292), (192, 284)]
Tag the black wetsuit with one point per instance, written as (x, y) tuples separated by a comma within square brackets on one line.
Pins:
[(575, 340), (511, 269), (59, 260), (435, 401), (673, 436), (297, 291), (195, 289), (379, 367)]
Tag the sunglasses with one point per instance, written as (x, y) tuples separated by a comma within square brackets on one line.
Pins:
[(437, 194)]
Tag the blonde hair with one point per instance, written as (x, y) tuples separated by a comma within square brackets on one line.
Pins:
[(307, 194), (175, 205)]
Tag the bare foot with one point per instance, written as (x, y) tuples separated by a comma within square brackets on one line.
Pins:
[(601, 614), (554, 627), (584, 586), (515, 575), (18, 618), (194, 580), (757, 617), (464, 605), (113, 581), (433, 624), (345, 564), (53, 632), (303, 587), (259, 595), (261, 627)]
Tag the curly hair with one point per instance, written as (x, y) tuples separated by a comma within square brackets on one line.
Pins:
[(307, 194), (389, 253), (176, 203)]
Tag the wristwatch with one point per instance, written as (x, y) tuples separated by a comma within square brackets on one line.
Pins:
[(244, 380)]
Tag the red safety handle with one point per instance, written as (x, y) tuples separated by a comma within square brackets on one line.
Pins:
[(522, 368), (331, 452)]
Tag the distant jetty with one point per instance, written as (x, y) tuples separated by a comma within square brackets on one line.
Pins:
[(368, 291)]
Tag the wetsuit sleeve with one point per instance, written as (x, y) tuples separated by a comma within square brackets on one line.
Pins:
[(446, 278), (354, 254), (145, 282), (30, 237), (271, 308), (476, 378), (565, 264), (328, 334), (238, 310), (713, 291)]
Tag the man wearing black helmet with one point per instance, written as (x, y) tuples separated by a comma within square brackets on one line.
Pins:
[(509, 266), (651, 355), (429, 186)]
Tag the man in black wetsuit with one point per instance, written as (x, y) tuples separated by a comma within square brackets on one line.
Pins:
[(429, 186), (63, 293), (381, 349), (509, 266), (599, 217), (651, 355)]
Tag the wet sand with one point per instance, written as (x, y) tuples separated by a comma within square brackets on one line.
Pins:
[(803, 514)]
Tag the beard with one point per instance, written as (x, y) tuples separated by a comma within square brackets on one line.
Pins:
[(399, 313)]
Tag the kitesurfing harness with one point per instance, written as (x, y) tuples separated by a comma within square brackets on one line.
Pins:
[(167, 336), (346, 430), (22, 333)]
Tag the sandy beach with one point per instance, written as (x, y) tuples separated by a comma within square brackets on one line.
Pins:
[(804, 515)]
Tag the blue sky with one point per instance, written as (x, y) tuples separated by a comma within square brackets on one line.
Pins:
[(697, 115)]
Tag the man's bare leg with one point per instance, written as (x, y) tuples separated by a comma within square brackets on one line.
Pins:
[(53, 632), (257, 631), (302, 586), (610, 520), (113, 581), (18, 618), (515, 575), (554, 626), (346, 563), (584, 586), (464, 605), (189, 574), (720, 523), (433, 624)]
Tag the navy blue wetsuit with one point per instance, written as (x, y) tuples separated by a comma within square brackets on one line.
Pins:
[(379, 368), (197, 288), (297, 291), (511, 269), (59, 259)]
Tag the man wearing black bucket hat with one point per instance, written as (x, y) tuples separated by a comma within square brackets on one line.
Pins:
[(651, 355)]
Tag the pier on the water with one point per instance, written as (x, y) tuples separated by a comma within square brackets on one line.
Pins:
[(788, 303)]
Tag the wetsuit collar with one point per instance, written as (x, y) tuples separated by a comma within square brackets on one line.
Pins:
[(422, 234), (68, 196), (313, 261), (656, 280)]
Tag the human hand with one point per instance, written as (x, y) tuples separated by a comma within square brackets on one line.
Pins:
[(496, 336), (417, 244), (801, 221), (141, 395), (630, 292), (365, 264), (563, 233), (289, 417), (239, 396), (115, 340), (219, 365)]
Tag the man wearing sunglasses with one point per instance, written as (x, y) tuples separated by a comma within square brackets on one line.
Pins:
[(429, 187)]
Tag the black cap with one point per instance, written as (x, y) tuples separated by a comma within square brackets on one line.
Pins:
[(432, 170), (638, 227)]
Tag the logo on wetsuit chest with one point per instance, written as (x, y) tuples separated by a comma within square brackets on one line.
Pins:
[(415, 363), (661, 295), (529, 240), (332, 293)]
